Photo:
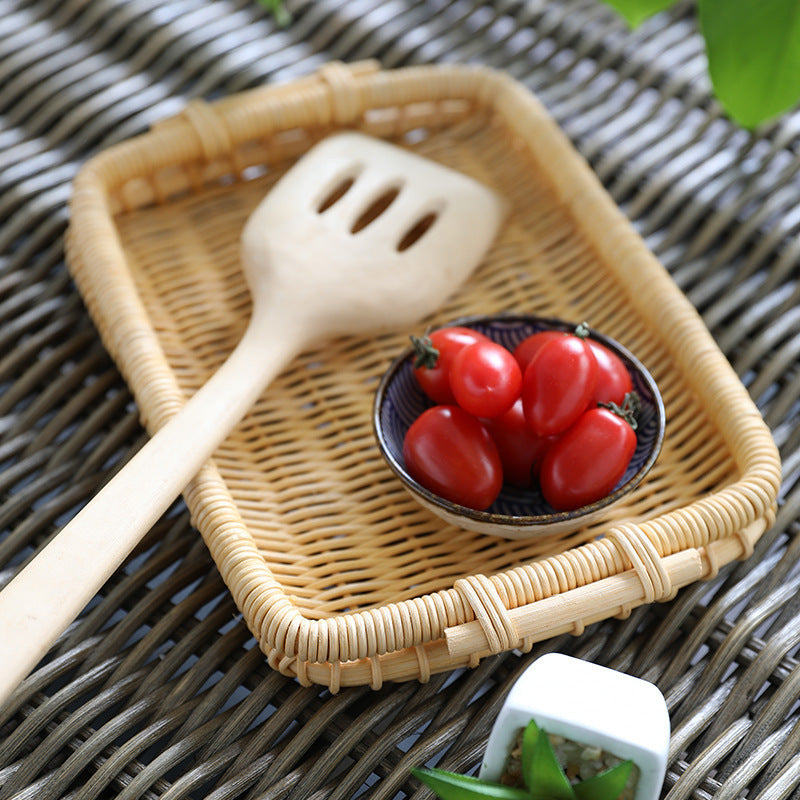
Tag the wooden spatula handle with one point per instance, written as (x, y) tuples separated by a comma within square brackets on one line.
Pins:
[(50, 592)]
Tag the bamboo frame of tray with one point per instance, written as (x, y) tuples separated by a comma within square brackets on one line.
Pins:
[(339, 575)]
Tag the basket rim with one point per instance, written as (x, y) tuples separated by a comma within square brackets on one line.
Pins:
[(393, 641)]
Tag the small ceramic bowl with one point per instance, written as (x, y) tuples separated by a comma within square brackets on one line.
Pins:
[(517, 513)]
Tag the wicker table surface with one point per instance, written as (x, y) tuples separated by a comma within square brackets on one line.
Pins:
[(157, 691)]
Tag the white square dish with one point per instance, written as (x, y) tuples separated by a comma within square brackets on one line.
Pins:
[(590, 704)]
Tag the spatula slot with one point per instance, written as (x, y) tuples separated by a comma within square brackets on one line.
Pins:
[(417, 231), (375, 209), (336, 194)]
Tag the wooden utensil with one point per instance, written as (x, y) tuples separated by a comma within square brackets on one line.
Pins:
[(358, 236)]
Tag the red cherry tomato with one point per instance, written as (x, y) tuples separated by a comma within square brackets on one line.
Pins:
[(558, 384), (449, 452), (521, 450), (613, 378), (485, 379), (434, 357), (529, 346), (587, 462)]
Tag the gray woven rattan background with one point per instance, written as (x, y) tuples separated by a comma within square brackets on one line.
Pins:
[(157, 691)]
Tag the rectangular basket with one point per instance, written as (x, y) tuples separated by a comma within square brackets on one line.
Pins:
[(343, 578)]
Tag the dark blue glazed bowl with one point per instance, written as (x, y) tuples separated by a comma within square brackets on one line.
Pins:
[(517, 513)]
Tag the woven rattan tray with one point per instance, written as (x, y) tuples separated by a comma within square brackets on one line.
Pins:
[(340, 575)]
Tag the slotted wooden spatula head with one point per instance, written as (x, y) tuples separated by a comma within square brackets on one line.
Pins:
[(361, 235)]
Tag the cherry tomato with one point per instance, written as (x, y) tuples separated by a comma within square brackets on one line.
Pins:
[(434, 355), (521, 450), (558, 384), (485, 379), (587, 462), (613, 378), (529, 346), (449, 452)]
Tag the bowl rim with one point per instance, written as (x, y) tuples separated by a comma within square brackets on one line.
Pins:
[(508, 520)]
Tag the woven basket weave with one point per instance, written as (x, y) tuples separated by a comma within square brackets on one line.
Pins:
[(339, 574)]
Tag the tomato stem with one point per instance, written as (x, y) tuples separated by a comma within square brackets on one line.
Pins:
[(629, 410), (425, 354), (582, 330)]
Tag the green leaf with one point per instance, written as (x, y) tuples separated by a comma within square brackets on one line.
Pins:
[(278, 10), (607, 785), (451, 786), (637, 11), (753, 55), (529, 738), (543, 774)]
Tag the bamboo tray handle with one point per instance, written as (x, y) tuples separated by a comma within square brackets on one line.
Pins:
[(50, 592), (496, 628)]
